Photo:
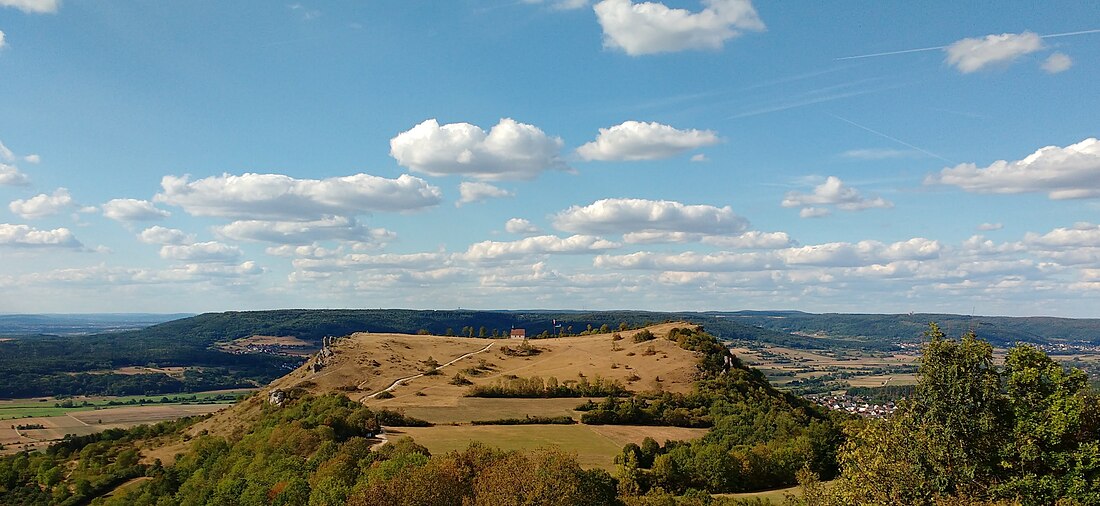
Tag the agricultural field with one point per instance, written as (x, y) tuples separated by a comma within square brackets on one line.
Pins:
[(32, 424), (834, 371), (50, 406)]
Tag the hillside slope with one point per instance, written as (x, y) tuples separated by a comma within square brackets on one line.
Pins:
[(364, 364)]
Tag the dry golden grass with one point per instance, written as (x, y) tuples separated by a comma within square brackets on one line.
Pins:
[(365, 364), (175, 372), (595, 446)]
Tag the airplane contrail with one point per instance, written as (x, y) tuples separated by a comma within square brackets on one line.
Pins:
[(895, 139), (888, 53), (936, 48)]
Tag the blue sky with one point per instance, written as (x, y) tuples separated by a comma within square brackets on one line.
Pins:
[(684, 155)]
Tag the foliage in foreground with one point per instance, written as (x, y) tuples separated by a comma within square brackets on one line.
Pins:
[(759, 439), (1026, 433), (317, 451)]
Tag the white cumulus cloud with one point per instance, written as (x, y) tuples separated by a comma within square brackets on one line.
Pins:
[(542, 244), (26, 236), (201, 252), (10, 176), (361, 261), (163, 235), (652, 27), (279, 197), (520, 226), (1057, 63), (476, 192), (813, 212), (303, 232), (753, 239), (1080, 235), (973, 54), (687, 261), (3, 40), (1072, 172), (127, 210), (33, 6), (636, 140), (640, 215), (833, 192), (508, 151), (42, 205)]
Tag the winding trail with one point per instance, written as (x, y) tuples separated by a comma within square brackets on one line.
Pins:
[(398, 382)]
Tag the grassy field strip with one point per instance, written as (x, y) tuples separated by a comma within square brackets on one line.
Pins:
[(27, 408), (398, 382), (90, 422), (594, 446)]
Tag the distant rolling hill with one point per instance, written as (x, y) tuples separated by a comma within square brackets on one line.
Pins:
[(1001, 330), (83, 364), (79, 324)]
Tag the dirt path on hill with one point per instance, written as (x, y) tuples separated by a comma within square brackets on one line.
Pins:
[(398, 382)]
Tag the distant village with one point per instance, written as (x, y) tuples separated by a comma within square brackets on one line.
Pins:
[(853, 404)]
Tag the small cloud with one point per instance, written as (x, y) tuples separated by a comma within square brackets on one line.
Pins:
[(162, 235), (521, 226), (32, 158), (26, 236), (281, 197), (652, 27), (10, 176), (986, 227), (636, 140), (623, 216), (1057, 63), (478, 192), (133, 210), (833, 192), (201, 252), (33, 6), (509, 150), (699, 158), (3, 40), (973, 54), (42, 205)]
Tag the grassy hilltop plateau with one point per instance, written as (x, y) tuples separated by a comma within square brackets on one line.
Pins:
[(634, 408)]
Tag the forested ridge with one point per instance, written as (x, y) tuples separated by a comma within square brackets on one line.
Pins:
[(76, 365)]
